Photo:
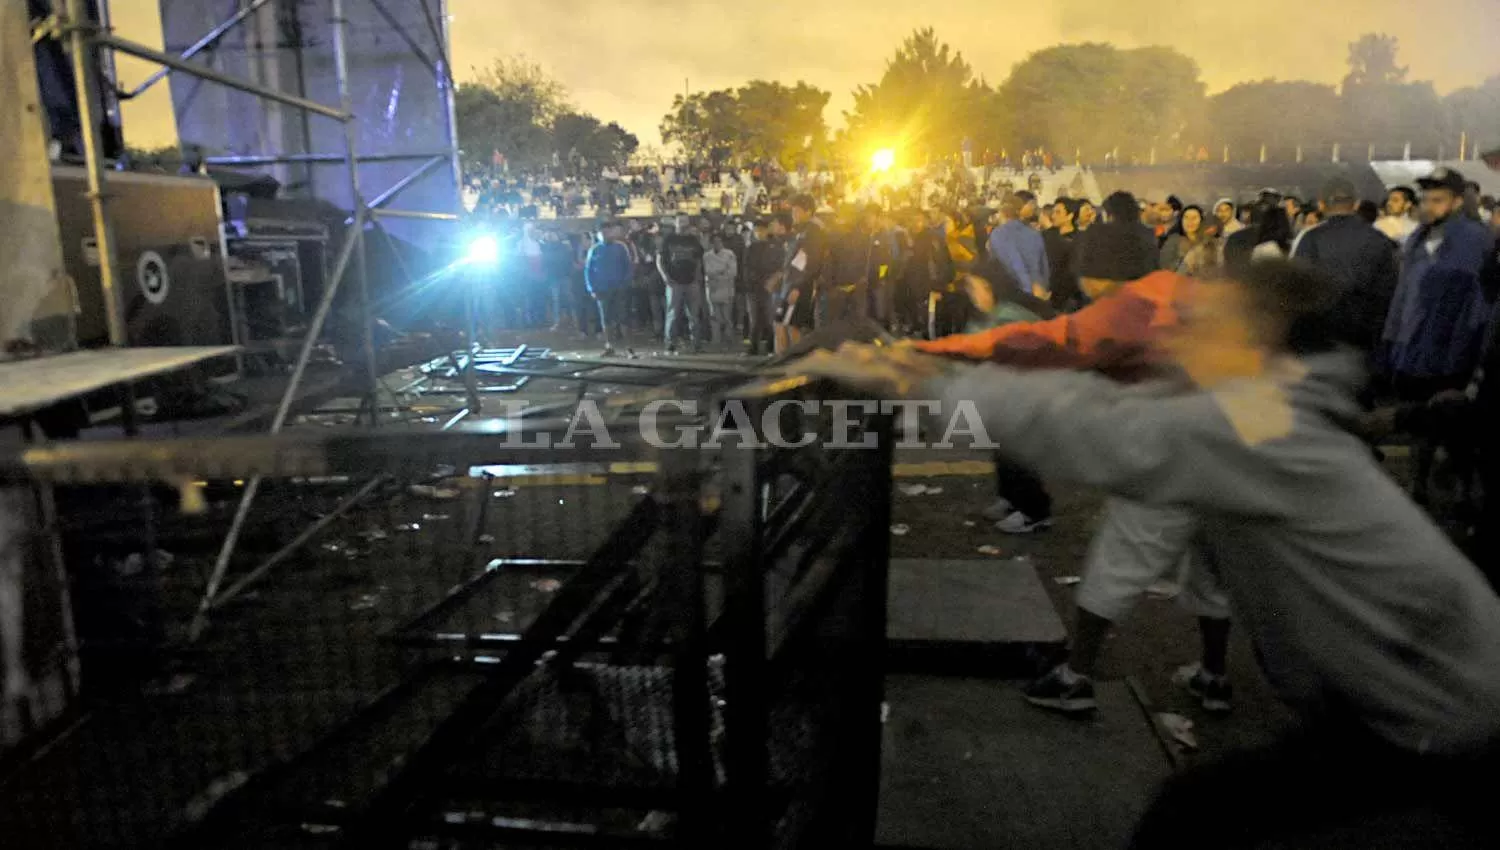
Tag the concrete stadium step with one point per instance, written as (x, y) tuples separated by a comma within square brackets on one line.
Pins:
[(968, 764), (989, 618)]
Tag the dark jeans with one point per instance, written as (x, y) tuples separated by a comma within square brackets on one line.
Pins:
[(1324, 789), (1020, 486), (614, 308), (949, 315), (762, 321), (845, 303)]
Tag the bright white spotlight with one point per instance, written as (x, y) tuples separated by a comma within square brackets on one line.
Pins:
[(483, 249), (883, 160)]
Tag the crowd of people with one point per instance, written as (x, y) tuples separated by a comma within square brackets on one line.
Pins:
[(1228, 382), (1297, 334)]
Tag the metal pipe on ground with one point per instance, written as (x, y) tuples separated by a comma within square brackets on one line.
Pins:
[(247, 499), (298, 542)]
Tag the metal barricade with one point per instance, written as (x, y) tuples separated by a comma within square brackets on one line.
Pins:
[(695, 660)]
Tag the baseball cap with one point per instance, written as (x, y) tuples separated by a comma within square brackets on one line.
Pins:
[(1444, 178), (1337, 190)]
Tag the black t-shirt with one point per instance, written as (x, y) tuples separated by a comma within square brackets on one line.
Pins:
[(682, 258)]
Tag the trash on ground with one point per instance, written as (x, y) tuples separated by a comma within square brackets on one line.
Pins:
[(374, 534), (913, 489), (179, 683), (655, 822), (991, 550), (504, 493), (969, 523), (506, 617), (365, 602), (1068, 581), (640, 490), (135, 563), (934, 491), (436, 517), (546, 585), (333, 547), (486, 538), (409, 527), (900, 529), (1164, 590), (1179, 728), (199, 807), (1023, 557), (885, 713), (431, 491)]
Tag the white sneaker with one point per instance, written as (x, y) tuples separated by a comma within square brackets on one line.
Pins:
[(1019, 523), (998, 510)]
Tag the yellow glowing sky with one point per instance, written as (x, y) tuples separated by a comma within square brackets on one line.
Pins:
[(625, 59)]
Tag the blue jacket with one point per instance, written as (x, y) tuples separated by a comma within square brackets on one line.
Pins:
[(1438, 314), (1023, 252), (608, 268)]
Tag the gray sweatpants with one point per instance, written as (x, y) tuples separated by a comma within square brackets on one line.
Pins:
[(683, 302)]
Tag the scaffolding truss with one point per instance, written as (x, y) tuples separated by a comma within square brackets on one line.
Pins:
[(91, 48)]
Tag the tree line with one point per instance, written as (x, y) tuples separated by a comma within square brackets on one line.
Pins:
[(1084, 100), (515, 114), (1088, 100)]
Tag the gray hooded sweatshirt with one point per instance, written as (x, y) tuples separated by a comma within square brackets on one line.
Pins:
[(1360, 609)]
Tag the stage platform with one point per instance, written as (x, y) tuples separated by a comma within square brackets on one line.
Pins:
[(27, 386)]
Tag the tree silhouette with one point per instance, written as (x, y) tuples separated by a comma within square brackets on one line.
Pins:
[(925, 103), (1372, 61)]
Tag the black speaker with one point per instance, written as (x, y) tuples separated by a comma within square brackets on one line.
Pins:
[(170, 267)]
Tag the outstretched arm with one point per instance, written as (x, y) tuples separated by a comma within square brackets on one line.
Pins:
[(1199, 450)]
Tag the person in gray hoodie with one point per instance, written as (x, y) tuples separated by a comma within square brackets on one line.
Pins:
[(1367, 620)]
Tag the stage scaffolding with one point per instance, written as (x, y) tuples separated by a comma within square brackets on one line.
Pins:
[(91, 48)]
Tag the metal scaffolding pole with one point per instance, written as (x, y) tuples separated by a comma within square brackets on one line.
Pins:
[(87, 39), (341, 72), (85, 62), (141, 52), (444, 76), (208, 40), (416, 214), (416, 174), (252, 488), (316, 158)]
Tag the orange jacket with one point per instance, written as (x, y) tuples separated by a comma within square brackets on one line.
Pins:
[(1114, 334)]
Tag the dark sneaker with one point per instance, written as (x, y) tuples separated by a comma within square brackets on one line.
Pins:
[(1063, 691), (1214, 692)]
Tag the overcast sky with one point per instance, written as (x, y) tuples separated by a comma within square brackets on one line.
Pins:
[(624, 60)]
